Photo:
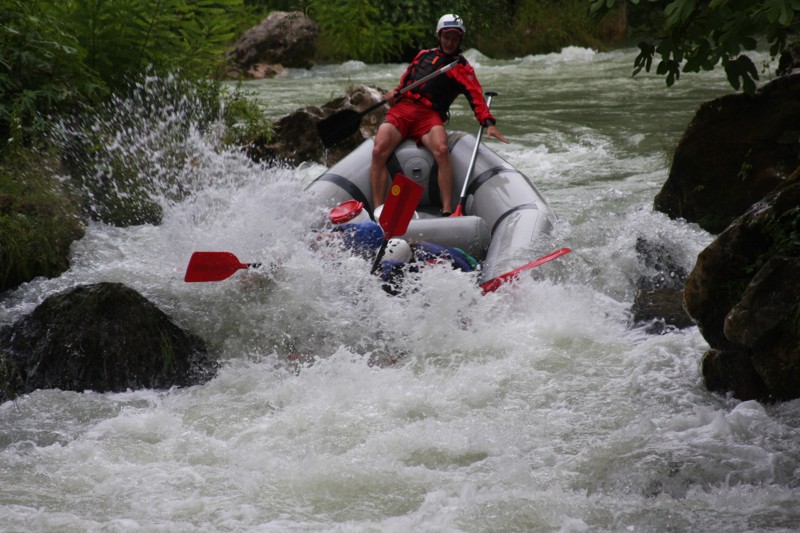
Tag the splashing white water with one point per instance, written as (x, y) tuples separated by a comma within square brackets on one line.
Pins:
[(532, 409)]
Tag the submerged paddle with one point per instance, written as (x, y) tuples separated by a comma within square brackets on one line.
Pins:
[(346, 122), (214, 266), (493, 284), (398, 210), (460, 207)]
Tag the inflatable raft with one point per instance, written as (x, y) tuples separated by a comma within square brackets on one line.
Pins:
[(506, 220)]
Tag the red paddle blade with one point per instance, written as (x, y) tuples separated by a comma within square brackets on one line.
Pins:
[(401, 203), (493, 284), (212, 266)]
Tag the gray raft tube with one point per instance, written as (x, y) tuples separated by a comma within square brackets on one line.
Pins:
[(506, 212)]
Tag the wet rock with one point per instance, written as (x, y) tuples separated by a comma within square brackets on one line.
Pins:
[(104, 337), (769, 299), (660, 309), (736, 150), (659, 300), (295, 139), (283, 39), (744, 294), (733, 371)]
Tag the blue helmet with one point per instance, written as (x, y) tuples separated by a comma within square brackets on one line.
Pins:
[(362, 237)]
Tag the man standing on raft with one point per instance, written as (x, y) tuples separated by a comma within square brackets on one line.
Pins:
[(420, 113)]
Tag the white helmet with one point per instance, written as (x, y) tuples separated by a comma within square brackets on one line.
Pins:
[(450, 22), (398, 250)]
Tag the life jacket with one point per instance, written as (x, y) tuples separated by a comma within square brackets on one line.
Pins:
[(440, 92), (429, 252)]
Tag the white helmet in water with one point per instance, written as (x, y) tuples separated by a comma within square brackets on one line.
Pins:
[(397, 250), (450, 22)]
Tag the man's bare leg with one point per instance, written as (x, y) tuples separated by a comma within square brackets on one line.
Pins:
[(386, 140), (436, 141)]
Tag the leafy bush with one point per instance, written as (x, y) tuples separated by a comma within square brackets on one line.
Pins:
[(539, 26), (39, 218), (122, 39), (245, 121), (42, 72), (387, 31)]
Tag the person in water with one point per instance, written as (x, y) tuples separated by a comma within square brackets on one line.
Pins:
[(420, 113), (400, 257)]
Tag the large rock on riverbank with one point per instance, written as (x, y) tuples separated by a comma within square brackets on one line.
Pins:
[(104, 337), (744, 294), (736, 172), (295, 139), (736, 150), (283, 39)]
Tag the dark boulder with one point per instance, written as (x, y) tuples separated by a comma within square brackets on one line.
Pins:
[(744, 294), (736, 149), (283, 38), (732, 370), (295, 139), (658, 304), (660, 310), (104, 337)]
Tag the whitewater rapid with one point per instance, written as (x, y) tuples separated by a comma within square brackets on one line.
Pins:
[(537, 408)]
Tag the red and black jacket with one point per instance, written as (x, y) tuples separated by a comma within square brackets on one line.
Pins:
[(440, 92)]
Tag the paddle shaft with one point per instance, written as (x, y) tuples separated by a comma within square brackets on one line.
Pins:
[(414, 85), (346, 122), (494, 283), (462, 199)]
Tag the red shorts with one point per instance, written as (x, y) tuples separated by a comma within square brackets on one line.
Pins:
[(413, 120)]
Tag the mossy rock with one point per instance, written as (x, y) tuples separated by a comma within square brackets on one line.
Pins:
[(104, 337), (40, 218)]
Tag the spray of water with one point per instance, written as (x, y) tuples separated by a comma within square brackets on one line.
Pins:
[(341, 408)]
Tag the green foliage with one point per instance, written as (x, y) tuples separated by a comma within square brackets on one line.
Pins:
[(245, 121), (537, 26), (355, 29), (694, 35), (58, 56), (122, 39), (41, 72), (39, 219), (382, 31)]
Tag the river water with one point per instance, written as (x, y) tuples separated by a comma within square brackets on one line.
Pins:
[(537, 408)]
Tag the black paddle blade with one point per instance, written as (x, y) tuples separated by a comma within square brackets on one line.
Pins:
[(339, 126)]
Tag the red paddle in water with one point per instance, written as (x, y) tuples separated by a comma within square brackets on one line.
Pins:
[(401, 203), (493, 284), (403, 198), (213, 266)]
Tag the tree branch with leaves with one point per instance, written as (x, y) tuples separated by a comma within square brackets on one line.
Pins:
[(695, 35)]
